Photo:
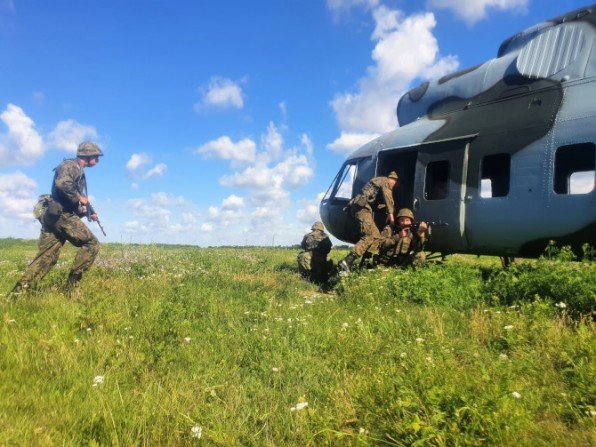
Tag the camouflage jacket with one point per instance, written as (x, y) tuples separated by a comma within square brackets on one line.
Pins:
[(377, 193), (396, 245), (317, 242), (69, 183)]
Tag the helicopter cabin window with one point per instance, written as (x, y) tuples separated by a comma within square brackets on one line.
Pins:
[(496, 174), (574, 169), (343, 189), (436, 185)]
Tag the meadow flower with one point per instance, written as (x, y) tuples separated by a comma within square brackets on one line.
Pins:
[(344, 326), (98, 380), (508, 327), (516, 395), (419, 340), (362, 431), (275, 369), (308, 302), (561, 305), (196, 432), (76, 340), (359, 321), (299, 406), (186, 339), (503, 356), (403, 355)]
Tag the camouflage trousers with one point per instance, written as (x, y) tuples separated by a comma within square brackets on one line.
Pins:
[(369, 233), (67, 227), (315, 268)]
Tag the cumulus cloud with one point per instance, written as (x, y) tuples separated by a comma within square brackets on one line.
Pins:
[(472, 11), (231, 211), (156, 171), (221, 93), (405, 51), (309, 213), (272, 141), (137, 160), (17, 197), (342, 7), (224, 148), (161, 214), (68, 134), (21, 144)]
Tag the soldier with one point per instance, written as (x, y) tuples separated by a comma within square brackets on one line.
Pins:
[(376, 194), (312, 260), (406, 247), (61, 221)]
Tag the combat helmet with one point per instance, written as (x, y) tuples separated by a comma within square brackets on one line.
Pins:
[(318, 225), (405, 212), (89, 149), (393, 175)]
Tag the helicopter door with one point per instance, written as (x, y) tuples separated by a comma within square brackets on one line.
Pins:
[(439, 192)]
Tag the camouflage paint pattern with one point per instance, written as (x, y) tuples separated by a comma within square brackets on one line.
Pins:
[(312, 260)]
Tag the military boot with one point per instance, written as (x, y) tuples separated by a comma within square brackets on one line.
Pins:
[(19, 288), (73, 282), (346, 263)]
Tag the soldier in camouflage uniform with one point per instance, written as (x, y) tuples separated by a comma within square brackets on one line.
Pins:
[(61, 221), (377, 194), (312, 260), (405, 248)]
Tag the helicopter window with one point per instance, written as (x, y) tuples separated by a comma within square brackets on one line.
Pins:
[(574, 169), (436, 185), (343, 189), (496, 171)]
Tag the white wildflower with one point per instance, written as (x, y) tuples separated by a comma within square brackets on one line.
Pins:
[(344, 326), (359, 321), (516, 395), (186, 339), (403, 355), (592, 413), (503, 356), (98, 380), (561, 305), (196, 432), (419, 340), (308, 302), (88, 329), (275, 369), (508, 327), (362, 431), (299, 406), (76, 340)]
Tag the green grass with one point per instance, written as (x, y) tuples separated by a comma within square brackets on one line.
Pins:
[(231, 340)]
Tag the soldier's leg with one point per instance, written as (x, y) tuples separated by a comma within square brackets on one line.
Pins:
[(369, 234), (47, 256), (77, 233)]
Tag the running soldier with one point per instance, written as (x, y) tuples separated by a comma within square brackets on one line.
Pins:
[(312, 260), (60, 221), (377, 194)]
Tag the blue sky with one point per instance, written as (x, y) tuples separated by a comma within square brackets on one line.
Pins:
[(221, 121)]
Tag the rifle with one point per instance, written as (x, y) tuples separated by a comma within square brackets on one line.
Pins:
[(88, 209), (414, 227)]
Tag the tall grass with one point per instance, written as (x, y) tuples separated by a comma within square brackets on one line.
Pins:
[(234, 342)]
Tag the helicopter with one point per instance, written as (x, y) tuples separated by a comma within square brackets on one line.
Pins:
[(503, 152)]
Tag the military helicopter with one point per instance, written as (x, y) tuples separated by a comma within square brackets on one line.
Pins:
[(503, 152)]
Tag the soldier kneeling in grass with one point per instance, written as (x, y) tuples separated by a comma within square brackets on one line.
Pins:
[(312, 260), (404, 247)]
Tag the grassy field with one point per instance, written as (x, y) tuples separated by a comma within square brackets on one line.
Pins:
[(183, 346)]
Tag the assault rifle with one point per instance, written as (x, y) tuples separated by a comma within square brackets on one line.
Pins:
[(89, 212), (414, 227)]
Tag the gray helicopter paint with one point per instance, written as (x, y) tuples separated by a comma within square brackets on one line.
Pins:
[(535, 97)]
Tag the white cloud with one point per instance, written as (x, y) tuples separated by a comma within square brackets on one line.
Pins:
[(207, 227), (68, 134), (224, 148), (348, 142), (161, 215), (471, 11), (137, 160), (17, 197), (341, 7), (22, 145), (221, 93), (307, 143), (405, 51), (232, 202), (156, 171), (309, 213), (272, 141)]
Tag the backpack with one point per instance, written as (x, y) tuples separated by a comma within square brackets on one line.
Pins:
[(41, 206)]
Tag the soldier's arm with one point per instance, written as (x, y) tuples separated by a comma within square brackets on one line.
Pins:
[(388, 198), (66, 178)]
